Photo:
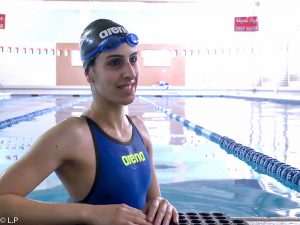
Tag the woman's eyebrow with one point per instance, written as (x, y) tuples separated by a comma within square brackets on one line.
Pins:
[(114, 56), (135, 53)]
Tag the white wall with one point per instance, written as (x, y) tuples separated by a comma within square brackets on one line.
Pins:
[(207, 25), (21, 69)]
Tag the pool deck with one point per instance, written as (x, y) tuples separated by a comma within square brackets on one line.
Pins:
[(278, 94)]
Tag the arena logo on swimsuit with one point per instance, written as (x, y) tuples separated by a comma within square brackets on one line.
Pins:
[(133, 158), (112, 30)]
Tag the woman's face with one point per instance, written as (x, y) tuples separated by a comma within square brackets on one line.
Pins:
[(115, 75)]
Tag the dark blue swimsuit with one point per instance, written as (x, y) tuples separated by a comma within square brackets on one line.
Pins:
[(123, 173)]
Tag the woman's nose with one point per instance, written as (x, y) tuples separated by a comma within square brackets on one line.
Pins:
[(130, 71)]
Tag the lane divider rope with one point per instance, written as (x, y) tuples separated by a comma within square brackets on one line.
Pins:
[(30, 116), (282, 172)]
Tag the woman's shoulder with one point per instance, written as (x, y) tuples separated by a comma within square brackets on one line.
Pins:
[(71, 130), (138, 122), (71, 125), (140, 125)]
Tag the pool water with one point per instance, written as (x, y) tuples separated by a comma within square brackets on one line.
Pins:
[(194, 173), (268, 127)]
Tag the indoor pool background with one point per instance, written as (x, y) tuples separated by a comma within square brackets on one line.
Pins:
[(194, 173)]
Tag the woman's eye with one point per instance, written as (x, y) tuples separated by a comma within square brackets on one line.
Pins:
[(114, 62), (133, 59)]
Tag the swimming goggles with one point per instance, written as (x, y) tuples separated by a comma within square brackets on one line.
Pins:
[(112, 42)]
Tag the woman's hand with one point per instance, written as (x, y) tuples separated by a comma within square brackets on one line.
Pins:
[(119, 214), (160, 211)]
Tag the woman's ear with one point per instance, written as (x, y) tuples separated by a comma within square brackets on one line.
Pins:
[(89, 75)]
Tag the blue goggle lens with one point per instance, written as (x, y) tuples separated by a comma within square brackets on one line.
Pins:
[(132, 39), (113, 42)]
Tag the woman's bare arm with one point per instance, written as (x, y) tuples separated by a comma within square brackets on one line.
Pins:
[(49, 153), (45, 156)]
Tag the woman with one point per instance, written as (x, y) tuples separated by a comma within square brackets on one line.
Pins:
[(103, 158)]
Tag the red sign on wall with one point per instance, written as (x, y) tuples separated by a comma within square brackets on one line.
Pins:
[(2, 21), (246, 23)]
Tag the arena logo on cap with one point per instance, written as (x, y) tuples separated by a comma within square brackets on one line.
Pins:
[(112, 30)]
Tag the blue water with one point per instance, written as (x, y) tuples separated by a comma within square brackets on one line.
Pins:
[(194, 173)]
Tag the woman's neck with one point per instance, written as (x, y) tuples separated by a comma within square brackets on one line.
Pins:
[(108, 115)]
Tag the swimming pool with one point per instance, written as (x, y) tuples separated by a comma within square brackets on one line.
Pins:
[(194, 173)]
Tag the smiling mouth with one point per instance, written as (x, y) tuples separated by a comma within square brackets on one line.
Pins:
[(126, 86)]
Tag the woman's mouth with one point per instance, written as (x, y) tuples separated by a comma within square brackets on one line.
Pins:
[(127, 87)]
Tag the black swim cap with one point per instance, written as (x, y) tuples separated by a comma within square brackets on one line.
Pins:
[(94, 34)]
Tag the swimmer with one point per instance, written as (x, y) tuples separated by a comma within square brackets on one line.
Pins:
[(104, 158)]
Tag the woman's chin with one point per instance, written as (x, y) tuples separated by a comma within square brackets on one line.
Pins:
[(128, 100)]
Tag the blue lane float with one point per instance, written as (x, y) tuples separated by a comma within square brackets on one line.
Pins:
[(282, 172), (30, 116)]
